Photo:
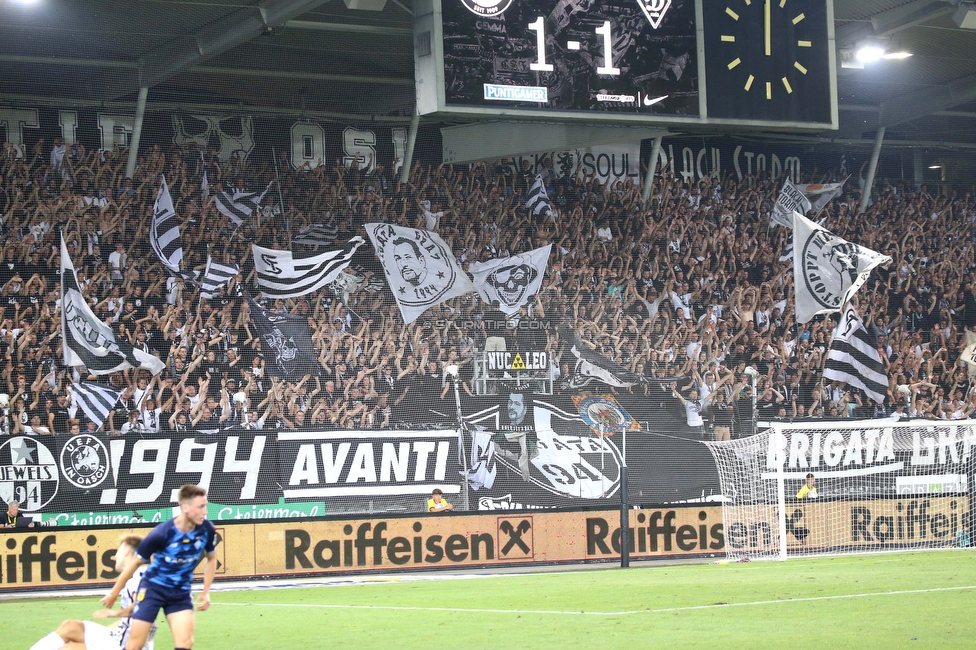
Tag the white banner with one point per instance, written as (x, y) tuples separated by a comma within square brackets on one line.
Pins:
[(827, 270)]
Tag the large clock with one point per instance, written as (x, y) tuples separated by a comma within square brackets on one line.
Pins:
[(768, 59)]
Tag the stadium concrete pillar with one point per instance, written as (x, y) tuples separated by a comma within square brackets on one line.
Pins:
[(872, 168), (130, 165), (408, 154), (918, 167), (651, 166)]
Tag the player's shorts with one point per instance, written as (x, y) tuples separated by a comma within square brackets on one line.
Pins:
[(99, 637), (152, 597)]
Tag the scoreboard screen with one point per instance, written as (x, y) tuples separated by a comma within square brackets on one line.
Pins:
[(751, 62), (580, 55)]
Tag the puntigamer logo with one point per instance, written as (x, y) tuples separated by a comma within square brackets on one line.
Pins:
[(487, 7)]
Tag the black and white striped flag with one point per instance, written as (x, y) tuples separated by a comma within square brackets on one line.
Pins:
[(96, 400), (89, 342), (317, 234), (853, 357), (537, 199), (215, 276), (164, 231), (281, 275), (238, 206)]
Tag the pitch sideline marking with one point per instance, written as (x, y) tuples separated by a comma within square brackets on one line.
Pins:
[(472, 610)]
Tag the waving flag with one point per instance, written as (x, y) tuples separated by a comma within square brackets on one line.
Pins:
[(419, 266), (511, 281), (238, 206), (317, 234), (820, 194), (790, 200), (281, 275), (853, 357), (591, 365), (164, 231), (96, 400), (827, 270), (286, 340), (89, 342), (537, 200), (215, 276)]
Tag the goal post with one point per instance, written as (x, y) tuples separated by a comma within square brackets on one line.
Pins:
[(878, 485)]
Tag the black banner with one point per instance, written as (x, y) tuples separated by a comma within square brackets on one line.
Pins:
[(520, 451), (308, 144), (559, 460)]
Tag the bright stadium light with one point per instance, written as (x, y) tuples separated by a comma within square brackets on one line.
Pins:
[(869, 53), (935, 166), (25, 2), (896, 56)]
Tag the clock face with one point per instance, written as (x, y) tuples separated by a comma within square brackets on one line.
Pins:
[(767, 60)]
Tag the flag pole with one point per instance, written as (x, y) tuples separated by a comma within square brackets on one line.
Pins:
[(281, 198)]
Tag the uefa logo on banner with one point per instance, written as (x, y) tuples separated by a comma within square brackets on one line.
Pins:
[(28, 473), (84, 461)]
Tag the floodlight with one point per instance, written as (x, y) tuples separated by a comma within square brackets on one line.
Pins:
[(869, 53)]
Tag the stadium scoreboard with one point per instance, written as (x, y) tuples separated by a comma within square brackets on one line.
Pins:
[(746, 62)]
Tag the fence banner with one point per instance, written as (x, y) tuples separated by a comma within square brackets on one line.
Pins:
[(46, 557), (520, 453), (822, 525)]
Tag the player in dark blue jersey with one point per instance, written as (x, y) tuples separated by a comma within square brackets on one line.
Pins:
[(172, 550)]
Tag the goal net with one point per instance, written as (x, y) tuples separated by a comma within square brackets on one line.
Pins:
[(878, 485)]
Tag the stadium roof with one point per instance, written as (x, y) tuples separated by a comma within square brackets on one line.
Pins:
[(321, 58)]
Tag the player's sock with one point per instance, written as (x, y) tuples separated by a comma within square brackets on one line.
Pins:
[(51, 642)]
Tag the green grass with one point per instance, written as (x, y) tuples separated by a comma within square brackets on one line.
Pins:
[(644, 607)]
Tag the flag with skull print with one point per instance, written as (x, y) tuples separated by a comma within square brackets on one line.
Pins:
[(512, 281), (286, 342)]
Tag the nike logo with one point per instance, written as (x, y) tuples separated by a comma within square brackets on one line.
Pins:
[(650, 102)]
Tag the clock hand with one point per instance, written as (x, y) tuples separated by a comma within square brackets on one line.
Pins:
[(766, 24)]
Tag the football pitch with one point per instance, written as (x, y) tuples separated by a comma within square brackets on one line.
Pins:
[(910, 600)]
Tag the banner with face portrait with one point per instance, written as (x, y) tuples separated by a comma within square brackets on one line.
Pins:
[(511, 281), (419, 266)]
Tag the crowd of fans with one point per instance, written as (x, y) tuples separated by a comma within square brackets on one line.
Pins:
[(689, 285)]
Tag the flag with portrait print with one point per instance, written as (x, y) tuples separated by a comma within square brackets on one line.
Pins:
[(419, 266)]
